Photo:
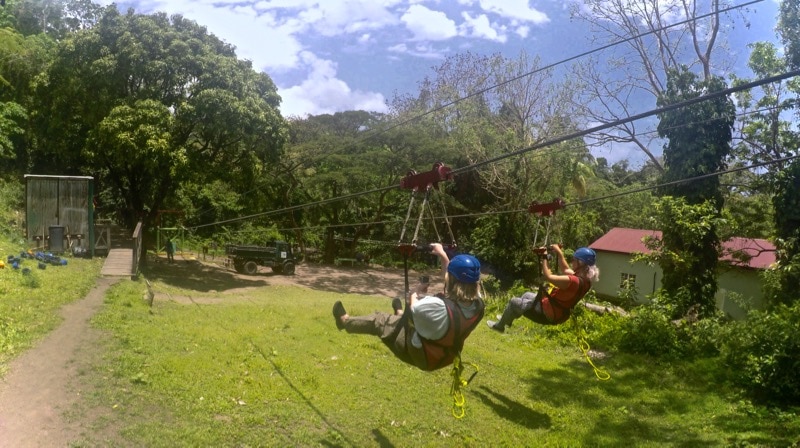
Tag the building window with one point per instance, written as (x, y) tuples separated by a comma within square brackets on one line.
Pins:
[(627, 281)]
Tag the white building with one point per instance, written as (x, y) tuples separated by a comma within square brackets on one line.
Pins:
[(742, 261)]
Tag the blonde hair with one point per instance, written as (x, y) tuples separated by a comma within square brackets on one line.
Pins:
[(591, 273), (461, 292)]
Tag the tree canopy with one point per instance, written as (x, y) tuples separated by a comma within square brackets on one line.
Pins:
[(135, 86)]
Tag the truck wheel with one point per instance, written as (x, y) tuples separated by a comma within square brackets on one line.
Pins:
[(250, 267), (288, 268), (238, 266)]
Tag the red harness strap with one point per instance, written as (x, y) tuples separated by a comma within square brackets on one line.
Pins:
[(583, 288), (441, 352)]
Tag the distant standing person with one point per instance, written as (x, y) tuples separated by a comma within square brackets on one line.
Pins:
[(553, 306), (170, 251)]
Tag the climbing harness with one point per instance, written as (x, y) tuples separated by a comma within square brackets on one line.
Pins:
[(545, 212), (458, 382), (421, 186), (583, 345)]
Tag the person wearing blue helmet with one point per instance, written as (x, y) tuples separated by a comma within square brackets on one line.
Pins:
[(432, 330), (553, 303)]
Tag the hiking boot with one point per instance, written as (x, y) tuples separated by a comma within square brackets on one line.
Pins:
[(338, 312), (494, 326), (397, 305)]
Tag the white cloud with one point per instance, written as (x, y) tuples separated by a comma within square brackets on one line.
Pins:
[(427, 24), (514, 9), (323, 93), (481, 28), (333, 18), (420, 50)]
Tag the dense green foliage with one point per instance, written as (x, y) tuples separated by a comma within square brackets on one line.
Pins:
[(786, 277), (699, 141), (148, 105), (763, 354)]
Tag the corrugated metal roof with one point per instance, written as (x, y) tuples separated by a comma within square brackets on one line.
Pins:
[(754, 253)]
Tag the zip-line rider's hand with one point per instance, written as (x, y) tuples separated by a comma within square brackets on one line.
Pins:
[(563, 266), (420, 291), (559, 281), (438, 250)]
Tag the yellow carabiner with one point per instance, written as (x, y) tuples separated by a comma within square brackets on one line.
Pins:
[(459, 401)]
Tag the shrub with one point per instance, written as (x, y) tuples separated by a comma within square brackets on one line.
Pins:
[(763, 354), (648, 331), (701, 339)]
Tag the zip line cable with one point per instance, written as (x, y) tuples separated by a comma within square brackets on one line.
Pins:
[(484, 90), (580, 202), (636, 117), (554, 64), (550, 142), (546, 67), (299, 206), (687, 180)]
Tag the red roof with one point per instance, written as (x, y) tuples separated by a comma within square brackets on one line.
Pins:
[(750, 252)]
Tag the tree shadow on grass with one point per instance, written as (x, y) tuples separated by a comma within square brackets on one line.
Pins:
[(381, 439), (641, 404), (195, 276), (513, 411)]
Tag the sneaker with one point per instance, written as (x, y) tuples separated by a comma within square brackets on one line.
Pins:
[(493, 325), (397, 305), (500, 317), (338, 312)]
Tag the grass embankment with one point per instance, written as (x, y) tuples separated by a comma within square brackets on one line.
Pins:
[(267, 367), (29, 303)]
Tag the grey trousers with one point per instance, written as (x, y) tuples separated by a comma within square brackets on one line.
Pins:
[(519, 306)]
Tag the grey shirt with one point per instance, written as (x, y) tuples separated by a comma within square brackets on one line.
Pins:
[(431, 320)]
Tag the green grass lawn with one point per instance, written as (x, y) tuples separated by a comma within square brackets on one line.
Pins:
[(29, 303), (267, 367)]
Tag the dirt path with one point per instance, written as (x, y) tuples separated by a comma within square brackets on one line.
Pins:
[(39, 386), (45, 382)]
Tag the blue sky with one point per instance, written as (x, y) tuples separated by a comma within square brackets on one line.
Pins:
[(333, 55)]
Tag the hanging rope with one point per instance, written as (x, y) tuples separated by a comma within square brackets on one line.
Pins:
[(583, 345), (459, 382), (421, 184), (545, 212)]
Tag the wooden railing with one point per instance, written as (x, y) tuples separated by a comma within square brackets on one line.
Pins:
[(137, 249)]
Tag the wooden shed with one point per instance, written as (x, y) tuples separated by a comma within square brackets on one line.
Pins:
[(59, 212)]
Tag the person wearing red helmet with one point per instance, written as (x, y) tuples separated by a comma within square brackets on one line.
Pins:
[(553, 306), (432, 330)]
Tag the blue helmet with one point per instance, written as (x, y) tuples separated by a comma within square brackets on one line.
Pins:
[(465, 268), (585, 256)]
